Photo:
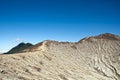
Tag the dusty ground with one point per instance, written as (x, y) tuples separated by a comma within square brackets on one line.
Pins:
[(93, 58)]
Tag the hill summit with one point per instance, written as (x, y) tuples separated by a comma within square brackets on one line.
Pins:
[(19, 48), (104, 36)]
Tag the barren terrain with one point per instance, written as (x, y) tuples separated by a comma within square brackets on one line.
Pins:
[(92, 58)]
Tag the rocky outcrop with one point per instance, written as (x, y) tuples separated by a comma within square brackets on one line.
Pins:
[(92, 58)]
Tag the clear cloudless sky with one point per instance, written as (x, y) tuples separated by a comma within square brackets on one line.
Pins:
[(63, 20)]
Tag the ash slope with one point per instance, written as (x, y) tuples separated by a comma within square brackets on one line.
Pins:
[(92, 58)]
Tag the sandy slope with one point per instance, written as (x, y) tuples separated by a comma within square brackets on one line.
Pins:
[(93, 58)]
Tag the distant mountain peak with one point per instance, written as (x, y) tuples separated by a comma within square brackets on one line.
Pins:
[(19, 48)]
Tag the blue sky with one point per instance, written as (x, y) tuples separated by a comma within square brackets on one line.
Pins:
[(63, 20)]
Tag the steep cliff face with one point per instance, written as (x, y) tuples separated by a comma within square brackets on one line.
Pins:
[(92, 58)]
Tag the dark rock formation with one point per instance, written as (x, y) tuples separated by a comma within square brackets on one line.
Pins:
[(19, 48)]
